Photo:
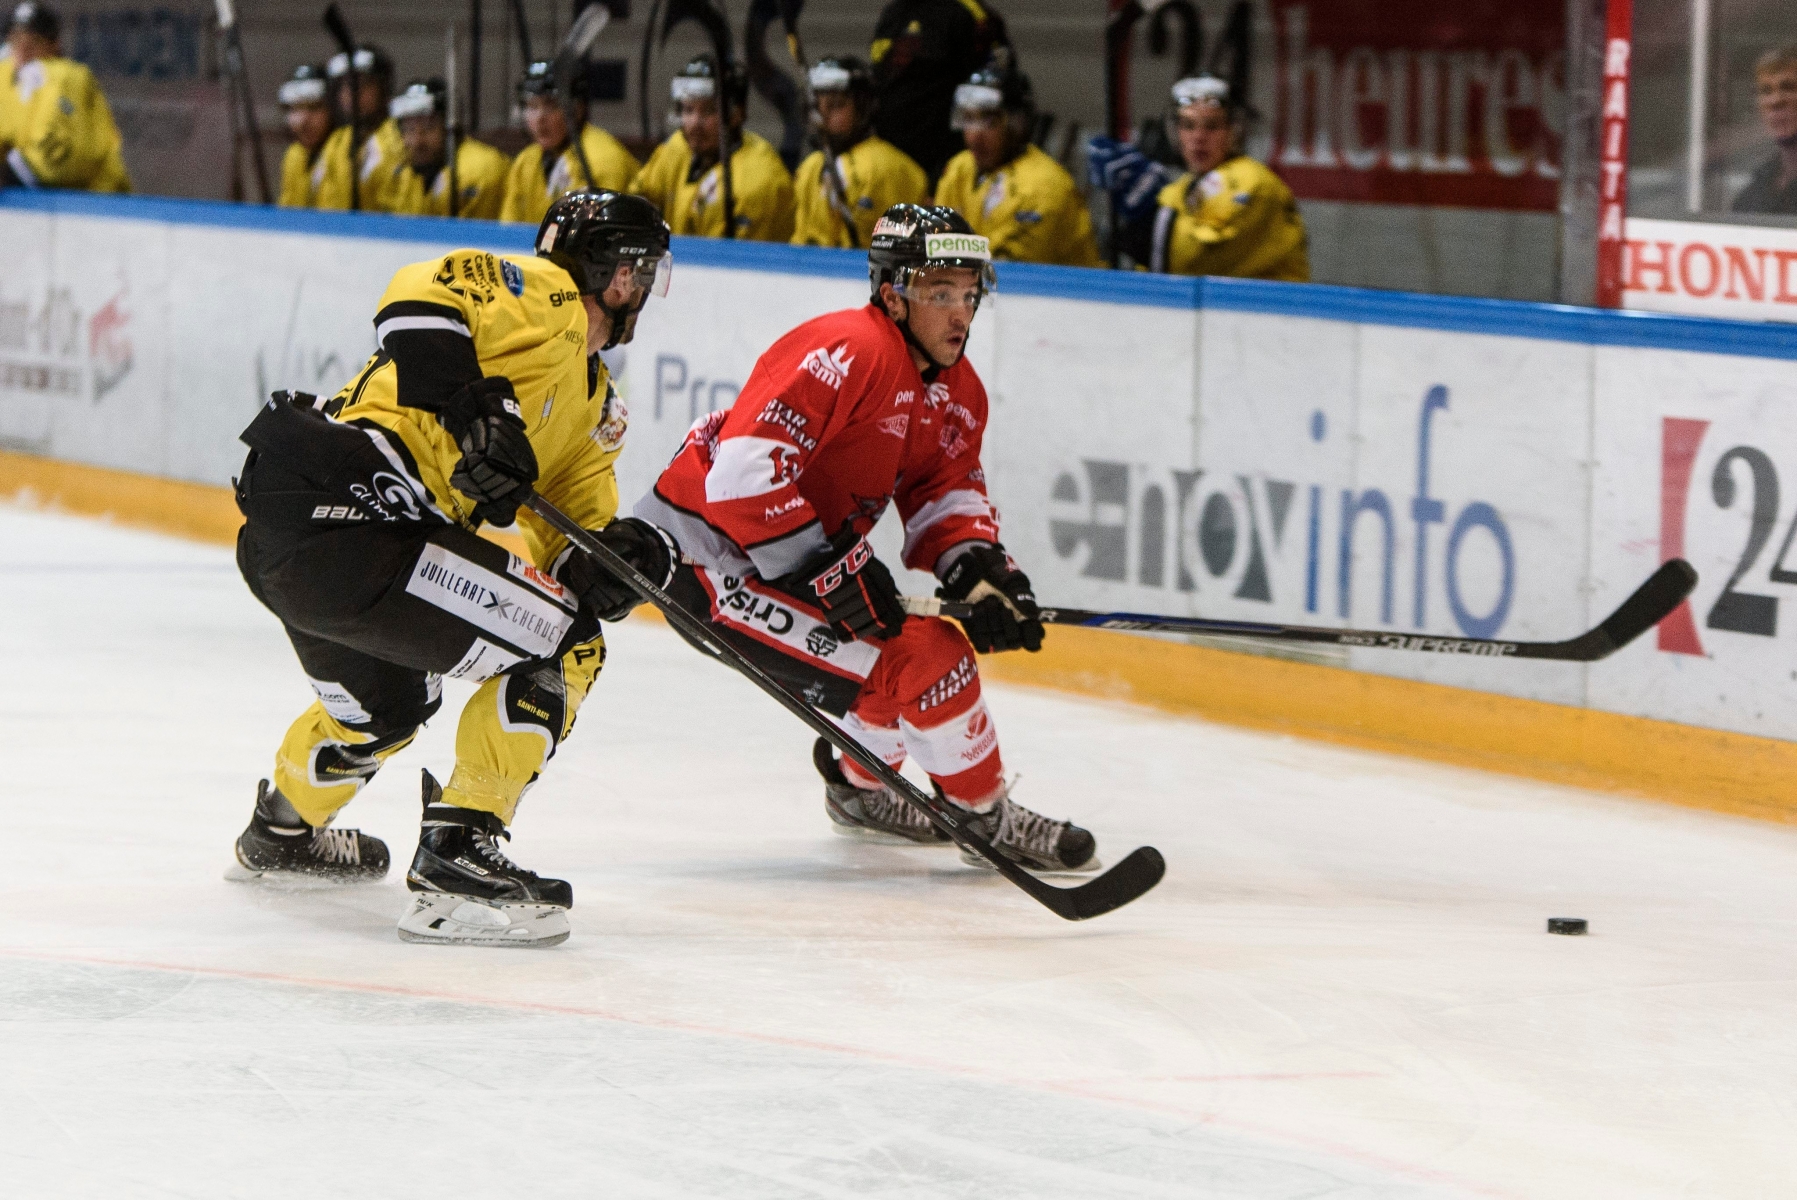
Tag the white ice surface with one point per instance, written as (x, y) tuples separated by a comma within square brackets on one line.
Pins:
[(1342, 989)]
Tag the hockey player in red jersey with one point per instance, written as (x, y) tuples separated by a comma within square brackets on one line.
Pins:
[(771, 502)]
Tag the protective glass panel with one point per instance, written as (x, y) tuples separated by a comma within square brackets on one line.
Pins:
[(1713, 112)]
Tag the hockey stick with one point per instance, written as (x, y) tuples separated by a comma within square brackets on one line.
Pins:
[(1652, 602), (241, 95), (452, 125), (522, 24), (339, 29), (1140, 870), (568, 60), (834, 188)]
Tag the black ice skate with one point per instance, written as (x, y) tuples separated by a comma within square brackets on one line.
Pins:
[(873, 814), (467, 892), (280, 845), (1032, 840)]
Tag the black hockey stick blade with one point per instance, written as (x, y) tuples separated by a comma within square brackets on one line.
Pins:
[(339, 30), (1139, 870), (1650, 604)]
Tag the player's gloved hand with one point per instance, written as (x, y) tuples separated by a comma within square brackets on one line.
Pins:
[(1005, 616), (642, 545), (1106, 157), (854, 589), (497, 462), (1133, 180)]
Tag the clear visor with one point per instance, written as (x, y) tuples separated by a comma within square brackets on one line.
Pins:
[(654, 275), (411, 104), (1200, 89), (302, 91), (828, 77), (976, 104), (691, 87), (947, 285)]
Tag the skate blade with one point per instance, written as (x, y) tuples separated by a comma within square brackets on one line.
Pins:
[(296, 881), (1086, 868), (459, 921), (877, 837)]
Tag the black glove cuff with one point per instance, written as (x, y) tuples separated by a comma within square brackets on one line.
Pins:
[(985, 561), (492, 395)]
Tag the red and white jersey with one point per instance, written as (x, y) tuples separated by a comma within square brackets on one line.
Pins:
[(834, 424)]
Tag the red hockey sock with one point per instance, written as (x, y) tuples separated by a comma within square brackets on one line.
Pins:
[(927, 684)]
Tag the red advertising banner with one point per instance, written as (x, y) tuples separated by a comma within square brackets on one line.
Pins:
[(1419, 102)]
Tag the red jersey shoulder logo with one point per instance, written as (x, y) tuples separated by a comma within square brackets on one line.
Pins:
[(896, 426), (830, 366)]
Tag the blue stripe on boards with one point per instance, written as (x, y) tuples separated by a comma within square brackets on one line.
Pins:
[(1409, 310)]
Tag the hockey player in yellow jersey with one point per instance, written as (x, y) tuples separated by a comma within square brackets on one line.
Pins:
[(56, 129), (361, 514), (550, 165), (1228, 214), (421, 187), (1008, 190), (684, 176), (364, 184), (308, 112), (869, 175)]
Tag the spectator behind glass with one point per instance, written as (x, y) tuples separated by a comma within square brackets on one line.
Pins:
[(1773, 188)]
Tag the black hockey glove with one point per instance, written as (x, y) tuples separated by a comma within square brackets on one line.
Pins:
[(638, 543), (1005, 616), (854, 589), (497, 460)]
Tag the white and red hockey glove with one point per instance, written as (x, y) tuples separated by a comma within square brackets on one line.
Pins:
[(854, 589), (1005, 616)]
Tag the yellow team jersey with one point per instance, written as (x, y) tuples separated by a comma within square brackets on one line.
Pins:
[(524, 320), (1239, 219), (56, 129), (529, 190), (875, 175), (480, 177), (1029, 207), (301, 173), (760, 187), (383, 154)]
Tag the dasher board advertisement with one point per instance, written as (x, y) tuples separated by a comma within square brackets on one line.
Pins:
[(1744, 272)]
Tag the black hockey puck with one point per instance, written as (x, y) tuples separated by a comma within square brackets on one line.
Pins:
[(1566, 925)]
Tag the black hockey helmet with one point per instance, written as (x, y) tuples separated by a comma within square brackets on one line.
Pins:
[(701, 79), (842, 73), (846, 75), (306, 86), (591, 234), (33, 17), (996, 88), (539, 80), (422, 98), (910, 238)]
